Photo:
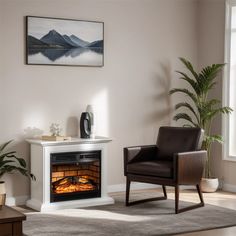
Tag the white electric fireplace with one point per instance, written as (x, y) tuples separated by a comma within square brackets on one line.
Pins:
[(69, 174)]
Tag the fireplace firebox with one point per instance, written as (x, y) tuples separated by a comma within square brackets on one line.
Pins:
[(75, 175), (69, 174)]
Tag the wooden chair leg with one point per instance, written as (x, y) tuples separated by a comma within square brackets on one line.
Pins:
[(177, 199), (127, 203), (164, 191), (200, 193), (127, 191), (201, 204)]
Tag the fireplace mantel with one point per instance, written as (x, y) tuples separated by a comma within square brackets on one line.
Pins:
[(73, 141), (40, 152)]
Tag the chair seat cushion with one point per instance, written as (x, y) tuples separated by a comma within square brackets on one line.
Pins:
[(152, 168)]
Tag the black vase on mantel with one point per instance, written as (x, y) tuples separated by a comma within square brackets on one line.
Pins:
[(85, 125)]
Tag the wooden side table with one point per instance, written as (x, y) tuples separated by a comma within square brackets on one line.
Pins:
[(11, 222)]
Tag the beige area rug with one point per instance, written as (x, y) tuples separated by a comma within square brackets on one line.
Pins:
[(151, 218)]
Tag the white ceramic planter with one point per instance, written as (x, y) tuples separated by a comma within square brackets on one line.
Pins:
[(209, 185)]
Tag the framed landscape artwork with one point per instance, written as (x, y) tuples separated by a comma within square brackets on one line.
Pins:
[(54, 41)]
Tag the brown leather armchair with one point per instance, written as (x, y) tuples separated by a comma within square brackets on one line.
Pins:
[(175, 160)]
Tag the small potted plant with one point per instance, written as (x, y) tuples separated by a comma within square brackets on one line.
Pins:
[(10, 163), (201, 111)]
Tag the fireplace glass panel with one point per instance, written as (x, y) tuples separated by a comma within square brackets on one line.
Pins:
[(75, 175)]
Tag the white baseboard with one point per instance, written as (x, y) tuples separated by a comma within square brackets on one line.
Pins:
[(229, 187), (16, 201)]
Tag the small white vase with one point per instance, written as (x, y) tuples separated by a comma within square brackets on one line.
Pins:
[(209, 185), (90, 110)]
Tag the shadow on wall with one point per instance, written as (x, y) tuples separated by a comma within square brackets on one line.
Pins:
[(32, 132), (71, 129), (162, 113)]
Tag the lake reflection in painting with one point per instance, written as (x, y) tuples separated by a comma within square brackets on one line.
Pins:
[(75, 56), (53, 41)]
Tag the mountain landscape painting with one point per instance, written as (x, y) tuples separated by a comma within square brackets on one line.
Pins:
[(53, 41)]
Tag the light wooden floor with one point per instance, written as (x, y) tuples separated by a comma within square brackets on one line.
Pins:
[(220, 198)]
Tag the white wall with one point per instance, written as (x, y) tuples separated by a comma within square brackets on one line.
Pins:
[(211, 50), (143, 39)]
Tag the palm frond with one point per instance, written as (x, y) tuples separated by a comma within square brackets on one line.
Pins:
[(32, 177), (185, 91), (6, 154), (186, 117), (214, 112), (9, 162), (189, 66), (214, 138), (208, 74), (21, 162), (208, 109), (3, 146), (187, 105), (192, 82), (2, 163), (212, 102), (12, 168), (211, 86), (226, 110)]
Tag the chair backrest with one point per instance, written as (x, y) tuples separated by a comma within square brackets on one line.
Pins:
[(177, 139)]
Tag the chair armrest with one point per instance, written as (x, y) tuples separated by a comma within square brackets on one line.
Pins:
[(189, 166), (139, 153)]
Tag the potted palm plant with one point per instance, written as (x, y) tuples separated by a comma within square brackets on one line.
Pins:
[(10, 163), (200, 111)]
